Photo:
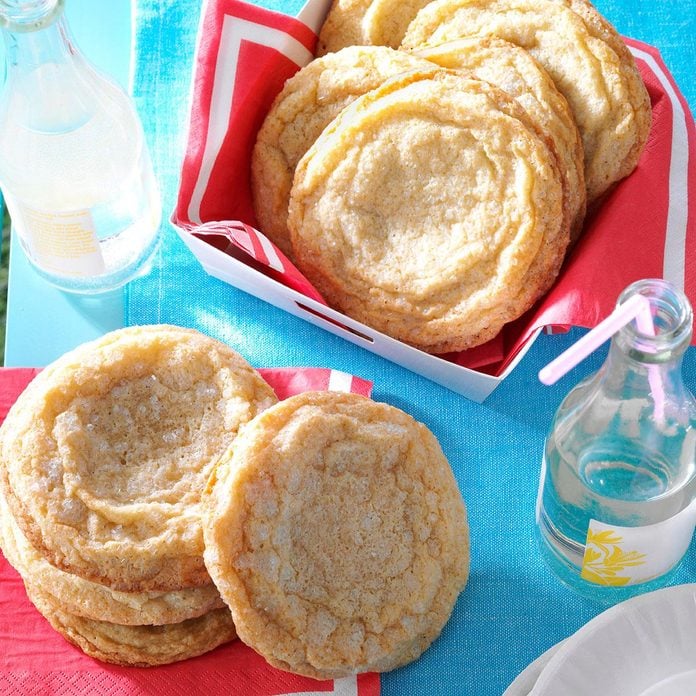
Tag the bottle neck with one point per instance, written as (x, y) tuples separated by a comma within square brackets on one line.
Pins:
[(670, 318), (29, 15), (26, 50), (49, 86), (625, 371), (650, 363)]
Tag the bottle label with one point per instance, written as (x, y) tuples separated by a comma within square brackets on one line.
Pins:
[(63, 243), (619, 556)]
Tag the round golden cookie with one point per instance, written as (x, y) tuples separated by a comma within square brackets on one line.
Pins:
[(91, 600), (337, 535), (136, 646), (584, 56), (601, 28), (366, 22), (107, 451), (431, 210), (514, 70), (309, 101)]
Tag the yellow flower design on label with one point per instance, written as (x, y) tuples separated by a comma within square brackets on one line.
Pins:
[(605, 560)]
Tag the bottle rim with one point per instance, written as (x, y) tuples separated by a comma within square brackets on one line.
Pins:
[(672, 317), (29, 15)]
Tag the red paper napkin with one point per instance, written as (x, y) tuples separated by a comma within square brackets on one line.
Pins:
[(34, 659), (645, 229)]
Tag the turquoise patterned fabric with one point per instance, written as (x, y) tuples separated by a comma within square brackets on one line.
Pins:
[(513, 608)]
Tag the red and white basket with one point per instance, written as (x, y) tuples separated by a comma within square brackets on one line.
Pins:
[(645, 229)]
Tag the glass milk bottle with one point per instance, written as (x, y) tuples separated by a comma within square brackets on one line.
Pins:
[(74, 167), (614, 512)]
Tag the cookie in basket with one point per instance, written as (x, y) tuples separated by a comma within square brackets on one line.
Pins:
[(366, 22), (337, 535), (136, 646), (107, 451), (91, 600), (515, 71), (432, 209), (343, 26), (309, 101), (587, 60)]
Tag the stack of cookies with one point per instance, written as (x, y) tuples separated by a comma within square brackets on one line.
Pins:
[(158, 501), (104, 459), (429, 170)]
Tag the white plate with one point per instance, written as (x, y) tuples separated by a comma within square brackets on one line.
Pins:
[(645, 646), (526, 680)]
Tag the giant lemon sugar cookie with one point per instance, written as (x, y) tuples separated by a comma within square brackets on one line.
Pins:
[(366, 22), (91, 600), (337, 535), (431, 209), (136, 646)]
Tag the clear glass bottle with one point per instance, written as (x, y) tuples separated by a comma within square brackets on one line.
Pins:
[(615, 510), (74, 166)]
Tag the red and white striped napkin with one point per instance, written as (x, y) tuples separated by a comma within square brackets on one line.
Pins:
[(646, 228), (34, 659)]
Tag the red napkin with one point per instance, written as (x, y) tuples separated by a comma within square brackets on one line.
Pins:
[(645, 229), (34, 659)]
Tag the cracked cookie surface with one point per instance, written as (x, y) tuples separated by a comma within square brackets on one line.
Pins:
[(583, 54), (431, 209), (106, 453), (515, 71), (337, 535)]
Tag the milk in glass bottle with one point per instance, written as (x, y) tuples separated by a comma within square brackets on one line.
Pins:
[(615, 512), (74, 167)]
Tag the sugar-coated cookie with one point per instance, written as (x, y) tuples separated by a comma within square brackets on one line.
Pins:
[(137, 646), (337, 535), (366, 22), (432, 209), (91, 600), (105, 454), (343, 26)]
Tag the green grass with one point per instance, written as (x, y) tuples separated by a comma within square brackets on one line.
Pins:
[(4, 262)]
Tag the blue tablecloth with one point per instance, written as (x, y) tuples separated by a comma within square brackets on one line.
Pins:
[(513, 608)]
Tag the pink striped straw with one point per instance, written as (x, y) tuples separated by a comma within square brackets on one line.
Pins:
[(635, 307)]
